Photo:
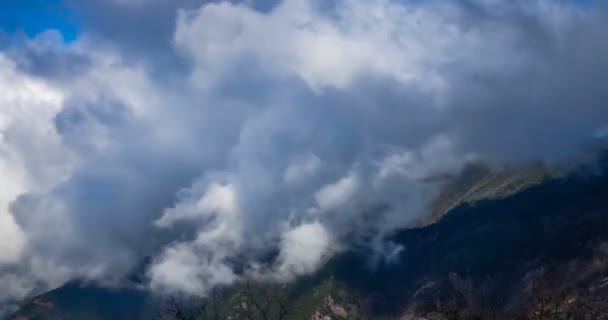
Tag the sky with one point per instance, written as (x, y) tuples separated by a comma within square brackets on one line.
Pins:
[(32, 17), (212, 135)]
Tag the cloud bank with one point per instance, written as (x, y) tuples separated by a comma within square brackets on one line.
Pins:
[(228, 138)]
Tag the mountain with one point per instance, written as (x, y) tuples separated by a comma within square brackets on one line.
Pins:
[(503, 236), (478, 182), (78, 300)]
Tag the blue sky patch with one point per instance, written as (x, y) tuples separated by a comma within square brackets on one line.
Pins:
[(32, 17)]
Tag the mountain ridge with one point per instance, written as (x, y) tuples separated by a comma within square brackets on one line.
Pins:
[(502, 244)]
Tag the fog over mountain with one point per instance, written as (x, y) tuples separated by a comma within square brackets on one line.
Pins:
[(258, 138)]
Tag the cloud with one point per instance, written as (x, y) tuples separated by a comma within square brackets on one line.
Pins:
[(231, 139), (199, 265), (303, 249), (319, 50), (336, 194), (302, 169), (32, 159)]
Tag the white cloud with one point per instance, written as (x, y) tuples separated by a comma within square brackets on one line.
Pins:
[(31, 155), (436, 158), (303, 249), (182, 268), (200, 264), (219, 200), (337, 194), (368, 37)]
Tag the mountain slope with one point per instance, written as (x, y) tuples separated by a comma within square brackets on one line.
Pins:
[(556, 231), (76, 300)]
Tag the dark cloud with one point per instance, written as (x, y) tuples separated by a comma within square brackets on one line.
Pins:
[(46, 56)]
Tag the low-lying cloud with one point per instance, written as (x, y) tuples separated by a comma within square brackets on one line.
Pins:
[(288, 130)]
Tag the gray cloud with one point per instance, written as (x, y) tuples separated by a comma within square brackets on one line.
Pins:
[(293, 127), (143, 29)]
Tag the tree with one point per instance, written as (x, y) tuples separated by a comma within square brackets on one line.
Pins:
[(543, 304), (259, 304)]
